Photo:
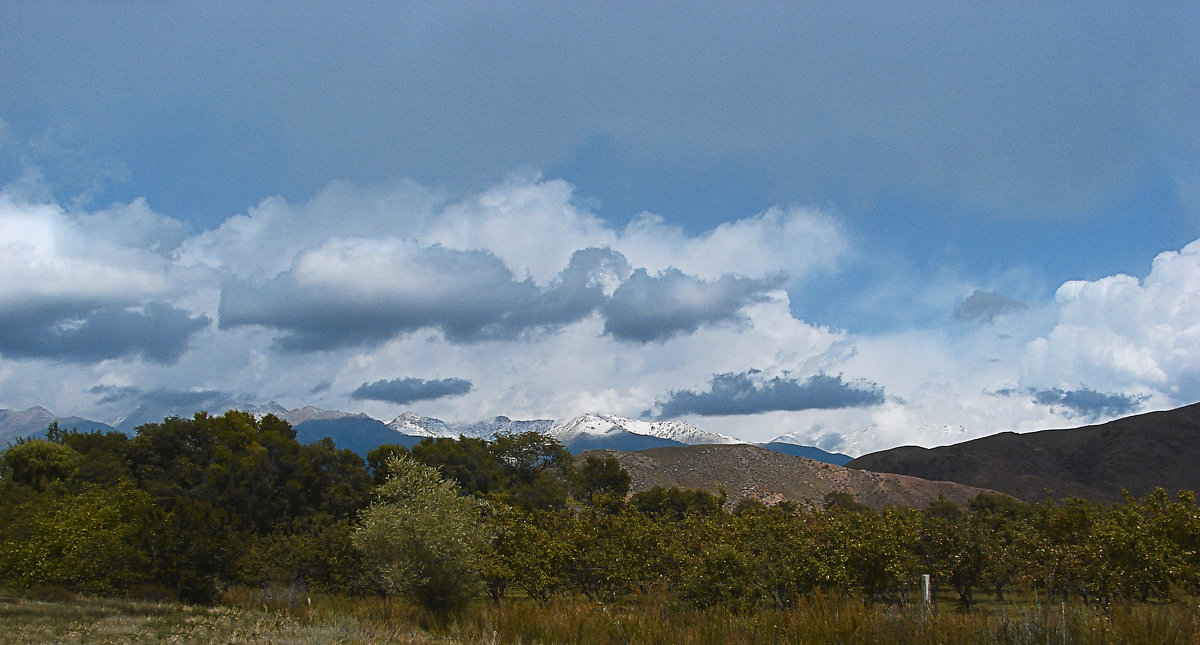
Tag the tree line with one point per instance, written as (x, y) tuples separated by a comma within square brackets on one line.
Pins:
[(187, 507)]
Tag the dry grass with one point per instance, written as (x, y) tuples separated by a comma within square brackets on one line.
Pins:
[(281, 617)]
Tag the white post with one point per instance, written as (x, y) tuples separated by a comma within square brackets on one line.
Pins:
[(927, 591)]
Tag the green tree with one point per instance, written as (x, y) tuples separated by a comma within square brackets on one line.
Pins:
[(601, 477), (677, 503), (100, 540), (423, 539), (39, 463)]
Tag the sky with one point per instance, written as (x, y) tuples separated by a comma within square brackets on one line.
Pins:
[(862, 225)]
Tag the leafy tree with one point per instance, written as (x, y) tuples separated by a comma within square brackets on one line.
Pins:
[(953, 548), (100, 540), (422, 538), (39, 463), (881, 554), (104, 458), (468, 461), (530, 549), (601, 477), (196, 549), (841, 500), (677, 503), (722, 575), (378, 457)]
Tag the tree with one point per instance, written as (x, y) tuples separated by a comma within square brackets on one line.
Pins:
[(38, 463), (676, 502), (601, 476), (421, 538), (100, 540)]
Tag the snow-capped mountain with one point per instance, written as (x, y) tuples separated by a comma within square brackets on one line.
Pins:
[(792, 437), (418, 426), (601, 425)]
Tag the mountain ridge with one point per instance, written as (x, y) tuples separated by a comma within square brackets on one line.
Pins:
[(1136, 453)]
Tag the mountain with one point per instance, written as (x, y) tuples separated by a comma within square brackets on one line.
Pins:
[(1137, 453), (591, 431), (746, 470), (419, 426), (361, 433), (15, 424), (358, 432), (808, 452), (23, 423)]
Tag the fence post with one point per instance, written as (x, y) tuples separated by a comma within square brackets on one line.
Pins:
[(927, 591)]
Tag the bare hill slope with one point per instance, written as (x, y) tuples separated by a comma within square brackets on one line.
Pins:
[(745, 470), (1138, 454)]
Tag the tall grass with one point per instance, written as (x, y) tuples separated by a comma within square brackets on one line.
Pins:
[(289, 617)]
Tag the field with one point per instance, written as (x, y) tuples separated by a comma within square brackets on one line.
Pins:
[(253, 616)]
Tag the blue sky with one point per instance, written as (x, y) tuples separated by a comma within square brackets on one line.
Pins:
[(865, 224)]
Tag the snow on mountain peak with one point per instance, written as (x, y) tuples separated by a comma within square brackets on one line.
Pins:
[(599, 425)]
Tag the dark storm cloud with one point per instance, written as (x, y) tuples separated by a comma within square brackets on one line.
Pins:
[(984, 306), (748, 393), (177, 402), (85, 333), (1088, 403), (408, 390), (646, 308), (470, 296)]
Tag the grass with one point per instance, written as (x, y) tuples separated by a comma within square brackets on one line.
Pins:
[(281, 617)]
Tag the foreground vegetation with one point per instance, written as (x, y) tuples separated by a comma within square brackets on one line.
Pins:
[(470, 541)]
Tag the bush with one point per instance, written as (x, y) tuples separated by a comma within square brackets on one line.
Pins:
[(421, 538)]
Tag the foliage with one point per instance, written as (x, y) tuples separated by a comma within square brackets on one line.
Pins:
[(99, 540), (39, 463), (677, 503), (189, 507), (421, 538)]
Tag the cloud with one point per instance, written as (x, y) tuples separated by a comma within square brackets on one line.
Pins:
[(75, 332), (646, 308), (155, 404), (984, 306), (114, 393), (409, 390), (749, 393), (1119, 333), (360, 292), (1089, 403)]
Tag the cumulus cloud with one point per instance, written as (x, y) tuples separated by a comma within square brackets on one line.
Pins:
[(74, 332), (1122, 334), (749, 393), (792, 241), (984, 306), (652, 308), (361, 292), (86, 287), (409, 390)]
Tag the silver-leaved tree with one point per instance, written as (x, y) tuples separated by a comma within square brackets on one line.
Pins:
[(422, 539)]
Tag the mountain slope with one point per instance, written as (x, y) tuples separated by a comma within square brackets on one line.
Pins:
[(745, 470), (1138, 454)]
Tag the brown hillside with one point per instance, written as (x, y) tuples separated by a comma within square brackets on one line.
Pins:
[(749, 471), (1138, 454)]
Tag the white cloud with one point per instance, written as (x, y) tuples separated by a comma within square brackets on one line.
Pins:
[(1119, 333), (794, 241), (525, 255), (49, 253)]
